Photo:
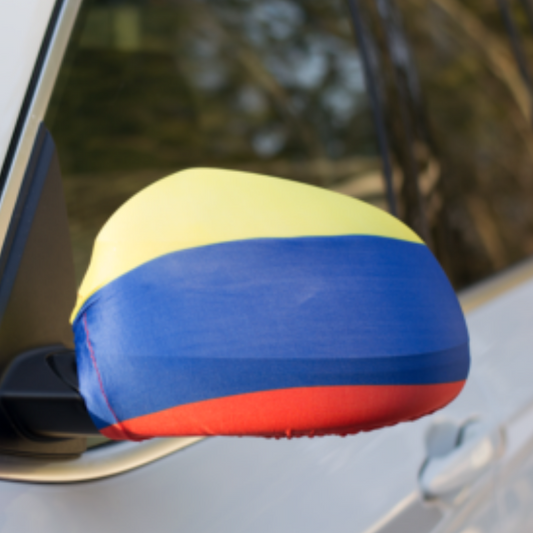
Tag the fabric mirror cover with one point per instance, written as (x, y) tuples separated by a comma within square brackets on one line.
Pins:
[(228, 303)]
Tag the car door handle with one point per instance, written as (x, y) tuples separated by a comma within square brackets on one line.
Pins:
[(446, 475)]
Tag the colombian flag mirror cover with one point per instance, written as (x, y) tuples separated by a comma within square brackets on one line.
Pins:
[(228, 303)]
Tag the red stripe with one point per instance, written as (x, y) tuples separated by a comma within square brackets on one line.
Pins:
[(305, 411)]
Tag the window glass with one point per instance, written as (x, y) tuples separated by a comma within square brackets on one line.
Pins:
[(151, 87), (460, 125)]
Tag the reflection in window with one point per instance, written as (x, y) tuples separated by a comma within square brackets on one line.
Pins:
[(459, 116), (152, 87)]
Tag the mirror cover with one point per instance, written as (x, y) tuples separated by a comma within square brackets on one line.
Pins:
[(228, 303)]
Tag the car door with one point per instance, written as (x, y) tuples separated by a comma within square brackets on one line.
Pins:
[(459, 79), (502, 326), (147, 88)]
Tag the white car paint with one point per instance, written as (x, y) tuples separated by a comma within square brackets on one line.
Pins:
[(22, 27), (504, 327)]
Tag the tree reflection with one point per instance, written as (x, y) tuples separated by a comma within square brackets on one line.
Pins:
[(469, 134), (151, 87)]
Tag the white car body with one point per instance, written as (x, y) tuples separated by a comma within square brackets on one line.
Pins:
[(371, 482)]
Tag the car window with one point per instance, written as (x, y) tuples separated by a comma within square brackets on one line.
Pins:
[(148, 88), (458, 106)]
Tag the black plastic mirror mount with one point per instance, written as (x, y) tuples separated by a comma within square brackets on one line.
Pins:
[(41, 410)]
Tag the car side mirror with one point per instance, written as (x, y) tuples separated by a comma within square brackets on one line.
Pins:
[(227, 303)]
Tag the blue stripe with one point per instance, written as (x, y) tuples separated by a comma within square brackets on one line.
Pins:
[(267, 314)]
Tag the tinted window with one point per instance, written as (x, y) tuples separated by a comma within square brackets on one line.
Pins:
[(152, 87), (459, 122)]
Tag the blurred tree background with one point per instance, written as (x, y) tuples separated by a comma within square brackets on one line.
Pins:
[(459, 116), (150, 87)]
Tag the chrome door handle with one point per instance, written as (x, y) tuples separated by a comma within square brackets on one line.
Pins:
[(446, 475)]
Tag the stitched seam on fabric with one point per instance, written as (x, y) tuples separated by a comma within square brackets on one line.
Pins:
[(99, 376)]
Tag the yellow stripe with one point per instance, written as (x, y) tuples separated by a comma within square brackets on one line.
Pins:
[(205, 206)]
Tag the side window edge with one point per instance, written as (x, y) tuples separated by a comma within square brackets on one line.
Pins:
[(34, 107)]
